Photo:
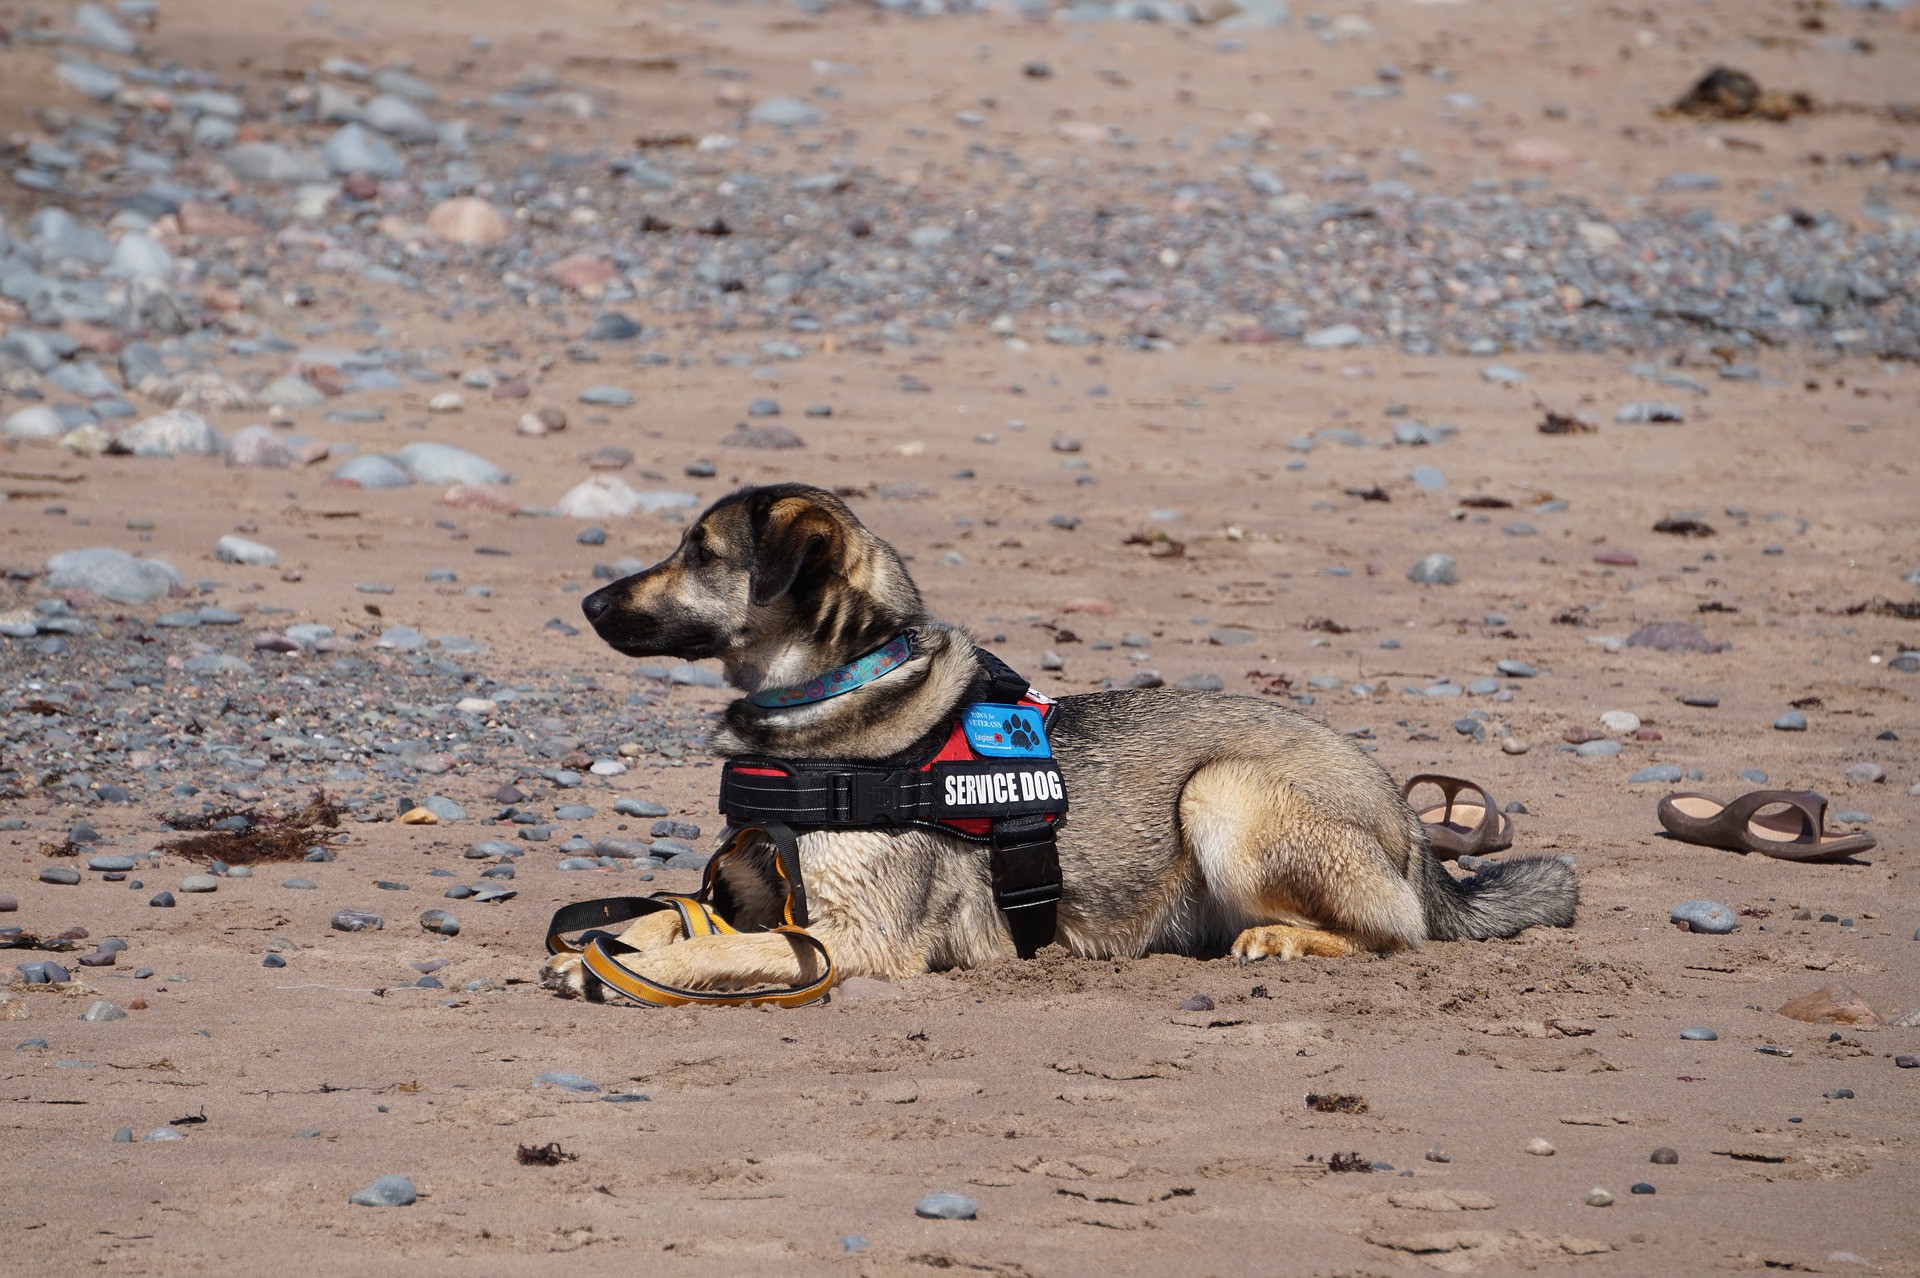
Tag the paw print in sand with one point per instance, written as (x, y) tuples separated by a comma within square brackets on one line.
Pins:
[(1017, 733)]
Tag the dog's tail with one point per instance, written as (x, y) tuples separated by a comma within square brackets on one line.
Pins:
[(1501, 899)]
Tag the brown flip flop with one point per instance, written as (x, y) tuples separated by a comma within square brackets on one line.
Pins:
[(1461, 827), (1794, 831)]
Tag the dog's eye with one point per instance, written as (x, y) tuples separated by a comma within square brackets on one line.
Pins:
[(699, 554)]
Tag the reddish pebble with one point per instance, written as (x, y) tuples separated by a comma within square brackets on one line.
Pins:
[(1617, 559), (137, 1005), (1647, 734), (99, 958), (512, 388), (8, 904), (359, 186)]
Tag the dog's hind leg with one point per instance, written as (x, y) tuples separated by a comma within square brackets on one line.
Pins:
[(1296, 878)]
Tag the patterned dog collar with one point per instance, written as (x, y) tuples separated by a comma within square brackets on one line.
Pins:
[(856, 673)]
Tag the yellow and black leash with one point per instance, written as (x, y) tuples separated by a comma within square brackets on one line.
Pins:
[(600, 952)]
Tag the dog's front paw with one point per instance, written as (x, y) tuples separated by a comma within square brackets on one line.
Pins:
[(565, 975), (1286, 943)]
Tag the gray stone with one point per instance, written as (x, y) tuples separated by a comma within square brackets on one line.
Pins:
[(446, 809), (1597, 749), (1704, 916), (123, 1136), (612, 327), (1664, 773), (1434, 570), (608, 396), (401, 639), (108, 861), (388, 1191), (1516, 669), (1699, 1034), (946, 1207), (136, 255), (371, 470), (1201, 683), (1791, 721), (61, 875), (432, 463), (238, 550), (1428, 478), (567, 1082), (102, 1010), (166, 1134), (356, 149), (112, 574), (94, 26), (784, 113), (1671, 636), (397, 117), (271, 162), (84, 77), (638, 808), (200, 883), (440, 921), (357, 921), (1864, 773)]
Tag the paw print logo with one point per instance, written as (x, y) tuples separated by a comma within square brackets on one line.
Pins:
[(1016, 730)]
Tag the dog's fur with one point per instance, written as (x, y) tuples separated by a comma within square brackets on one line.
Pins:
[(1200, 823)]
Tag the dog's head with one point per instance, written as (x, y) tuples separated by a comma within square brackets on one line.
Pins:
[(777, 582)]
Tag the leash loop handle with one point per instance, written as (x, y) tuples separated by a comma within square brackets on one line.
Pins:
[(601, 952)]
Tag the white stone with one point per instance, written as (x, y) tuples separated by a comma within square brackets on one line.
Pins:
[(474, 705), (260, 446), (600, 497), (37, 422), (1620, 721), (136, 255), (112, 574), (395, 116), (169, 434), (238, 550), (431, 463), (446, 402)]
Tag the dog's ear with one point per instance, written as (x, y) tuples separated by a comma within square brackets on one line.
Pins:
[(790, 534)]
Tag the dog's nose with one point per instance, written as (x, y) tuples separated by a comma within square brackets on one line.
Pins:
[(596, 605)]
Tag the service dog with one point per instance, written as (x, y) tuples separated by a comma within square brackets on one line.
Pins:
[(1201, 823)]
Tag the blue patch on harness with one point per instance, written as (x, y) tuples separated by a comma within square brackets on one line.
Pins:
[(1005, 732)]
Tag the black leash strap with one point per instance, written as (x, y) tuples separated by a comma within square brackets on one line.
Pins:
[(1026, 880)]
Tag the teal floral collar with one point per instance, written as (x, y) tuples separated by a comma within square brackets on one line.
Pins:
[(856, 673)]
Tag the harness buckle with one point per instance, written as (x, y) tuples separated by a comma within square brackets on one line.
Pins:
[(866, 798)]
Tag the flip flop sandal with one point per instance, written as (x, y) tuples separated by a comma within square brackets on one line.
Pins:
[(1459, 827), (1795, 830)]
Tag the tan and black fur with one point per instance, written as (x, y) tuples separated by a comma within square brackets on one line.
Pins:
[(1201, 823)]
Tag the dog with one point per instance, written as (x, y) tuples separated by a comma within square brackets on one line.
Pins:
[(1201, 823)]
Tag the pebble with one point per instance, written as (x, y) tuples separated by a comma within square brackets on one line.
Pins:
[(946, 1207), (387, 1191), (638, 808), (166, 1133), (1699, 1034), (1704, 916), (1516, 669), (1540, 1148), (1620, 721), (608, 396), (1604, 748), (1791, 721), (102, 1010), (440, 921), (1665, 773), (1598, 1197), (123, 1136), (357, 921), (566, 1081), (1434, 570), (162, 900), (1665, 1156), (1865, 774), (200, 883), (1642, 1187), (60, 874)]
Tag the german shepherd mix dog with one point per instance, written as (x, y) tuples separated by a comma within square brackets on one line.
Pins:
[(1201, 823)]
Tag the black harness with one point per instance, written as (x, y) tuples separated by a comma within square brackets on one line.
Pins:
[(1011, 803)]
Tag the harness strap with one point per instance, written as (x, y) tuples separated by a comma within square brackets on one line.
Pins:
[(1026, 880), (600, 952)]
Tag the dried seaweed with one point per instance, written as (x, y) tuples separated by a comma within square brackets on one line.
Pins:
[(1684, 528), (1350, 1162), (1728, 93), (547, 1155), (1336, 1103), (1480, 501), (266, 837), (1905, 609)]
